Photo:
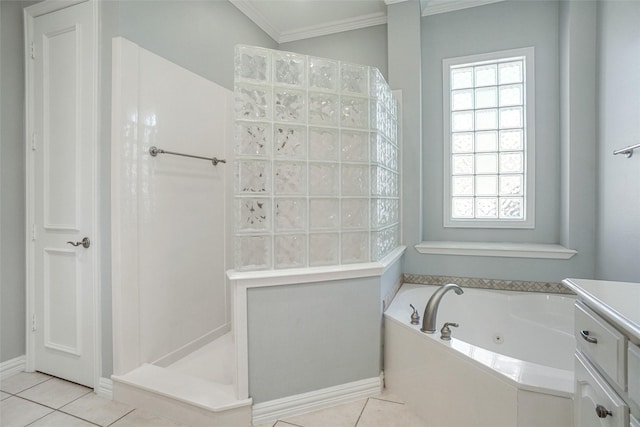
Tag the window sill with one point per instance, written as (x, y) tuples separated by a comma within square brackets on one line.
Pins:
[(508, 250)]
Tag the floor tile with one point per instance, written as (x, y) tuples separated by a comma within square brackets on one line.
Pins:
[(386, 395), (17, 412), (345, 415), (140, 418), (58, 419), (381, 413), (4, 395), (285, 424), (55, 393), (22, 381), (97, 409)]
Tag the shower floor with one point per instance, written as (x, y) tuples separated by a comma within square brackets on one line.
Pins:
[(213, 362)]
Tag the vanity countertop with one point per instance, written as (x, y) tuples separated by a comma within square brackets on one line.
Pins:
[(618, 302)]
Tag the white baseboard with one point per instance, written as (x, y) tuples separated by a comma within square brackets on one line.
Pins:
[(12, 367), (105, 388), (268, 412)]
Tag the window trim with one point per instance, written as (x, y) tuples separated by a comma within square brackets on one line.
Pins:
[(529, 129)]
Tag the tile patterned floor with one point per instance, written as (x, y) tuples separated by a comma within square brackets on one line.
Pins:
[(39, 400)]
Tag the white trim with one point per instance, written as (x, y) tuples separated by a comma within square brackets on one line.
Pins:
[(105, 388), (269, 412), (258, 18), (333, 27), (434, 8), (12, 367), (507, 250), (30, 13)]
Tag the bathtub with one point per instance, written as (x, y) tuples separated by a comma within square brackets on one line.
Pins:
[(509, 363)]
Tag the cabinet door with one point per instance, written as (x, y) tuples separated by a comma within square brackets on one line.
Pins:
[(596, 404)]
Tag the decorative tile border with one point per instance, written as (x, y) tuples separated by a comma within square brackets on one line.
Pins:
[(392, 293), (496, 284)]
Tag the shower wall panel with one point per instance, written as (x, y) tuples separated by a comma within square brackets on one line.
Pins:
[(317, 162), (168, 211)]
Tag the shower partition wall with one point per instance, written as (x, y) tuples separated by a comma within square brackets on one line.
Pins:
[(316, 162)]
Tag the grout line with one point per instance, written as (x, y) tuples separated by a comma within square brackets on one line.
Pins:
[(118, 419), (386, 400), (362, 412)]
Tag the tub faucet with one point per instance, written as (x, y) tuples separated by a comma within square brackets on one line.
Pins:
[(431, 310)]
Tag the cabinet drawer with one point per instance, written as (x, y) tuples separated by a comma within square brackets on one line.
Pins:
[(634, 374), (595, 403), (602, 344)]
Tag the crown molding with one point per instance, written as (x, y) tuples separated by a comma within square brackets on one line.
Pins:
[(257, 17), (449, 6), (333, 27)]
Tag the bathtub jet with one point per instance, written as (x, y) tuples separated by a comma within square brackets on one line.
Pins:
[(431, 310)]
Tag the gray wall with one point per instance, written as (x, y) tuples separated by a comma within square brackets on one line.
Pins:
[(367, 46), (12, 181), (619, 126), (500, 26), (309, 336)]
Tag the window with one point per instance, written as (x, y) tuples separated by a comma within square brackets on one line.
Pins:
[(489, 140)]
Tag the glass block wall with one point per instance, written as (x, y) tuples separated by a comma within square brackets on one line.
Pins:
[(316, 169)]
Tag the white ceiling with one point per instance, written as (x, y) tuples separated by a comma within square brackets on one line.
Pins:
[(290, 20)]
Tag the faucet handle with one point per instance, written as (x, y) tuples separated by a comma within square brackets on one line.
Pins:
[(445, 332), (415, 317)]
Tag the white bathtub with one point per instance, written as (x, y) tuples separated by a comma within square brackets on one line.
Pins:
[(509, 363)]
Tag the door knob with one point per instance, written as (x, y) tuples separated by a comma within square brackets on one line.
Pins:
[(84, 242)]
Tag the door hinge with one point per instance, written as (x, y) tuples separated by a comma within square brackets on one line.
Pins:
[(33, 141), (34, 233), (34, 325), (33, 50)]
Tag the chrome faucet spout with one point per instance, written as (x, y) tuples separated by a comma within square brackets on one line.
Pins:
[(431, 310)]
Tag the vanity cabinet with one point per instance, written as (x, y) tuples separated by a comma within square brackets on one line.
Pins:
[(607, 357)]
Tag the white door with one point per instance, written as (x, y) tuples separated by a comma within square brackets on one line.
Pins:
[(62, 179)]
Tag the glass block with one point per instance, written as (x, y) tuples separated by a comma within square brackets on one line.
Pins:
[(512, 208), (323, 179), (462, 143), (252, 102), (510, 95), (290, 214), (487, 141), (290, 178), (289, 68), (511, 185), (511, 163), (323, 249), (383, 242), (323, 109), (486, 75), (486, 185), (253, 214), (376, 83), (462, 100), (354, 78), (487, 207), (355, 247), (486, 163), (462, 185), (486, 97), (462, 207), (290, 251), (355, 213), (253, 253), (253, 139), (383, 182), (355, 146), (323, 74), (461, 78), (486, 119), (252, 176), (384, 212), (290, 141), (323, 214), (355, 112), (462, 121), (511, 140), (252, 63), (355, 180), (289, 105), (323, 144), (510, 72), (462, 164), (511, 117)]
